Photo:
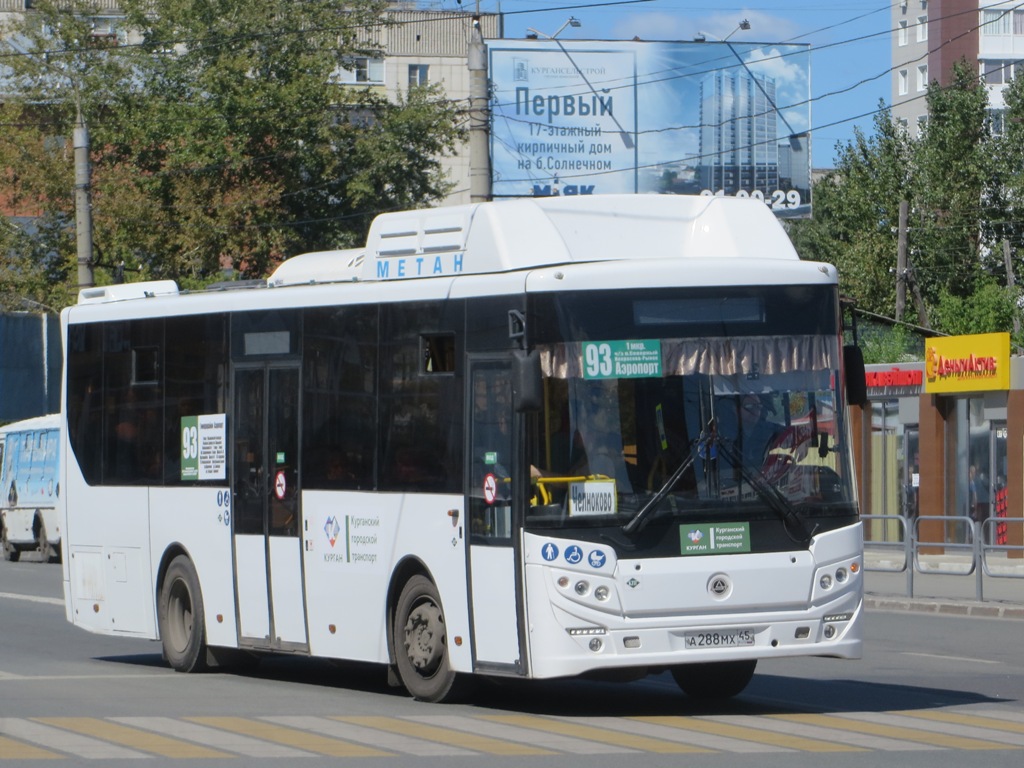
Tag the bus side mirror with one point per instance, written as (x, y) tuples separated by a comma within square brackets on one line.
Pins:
[(527, 383), (856, 380)]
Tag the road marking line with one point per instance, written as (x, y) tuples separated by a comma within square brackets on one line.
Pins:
[(821, 727), (939, 657), (131, 737), (513, 730), (212, 737), (893, 726), (678, 732), (420, 730), (33, 598), (581, 728), (17, 750), (351, 732), (725, 726), (962, 724), (310, 742), (71, 743)]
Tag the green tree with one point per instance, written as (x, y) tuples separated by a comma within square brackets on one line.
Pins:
[(57, 70), (856, 214), (224, 138), (952, 163), (956, 194)]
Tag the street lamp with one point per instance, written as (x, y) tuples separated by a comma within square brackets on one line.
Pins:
[(572, 21), (794, 137)]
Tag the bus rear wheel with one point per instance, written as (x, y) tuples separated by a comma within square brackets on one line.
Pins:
[(719, 680), (181, 617), (420, 642)]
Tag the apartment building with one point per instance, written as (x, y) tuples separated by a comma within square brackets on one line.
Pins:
[(929, 36)]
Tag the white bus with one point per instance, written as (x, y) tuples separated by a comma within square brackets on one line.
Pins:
[(30, 488), (501, 439)]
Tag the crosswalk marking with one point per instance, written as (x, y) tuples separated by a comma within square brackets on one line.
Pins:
[(212, 737), (304, 740), (582, 729), (694, 735), (927, 732), (71, 743), (396, 742), (721, 727), (822, 727), (880, 724), (545, 739), (287, 737), (974, 722), (131, 737), (16, 750), (420, 730)]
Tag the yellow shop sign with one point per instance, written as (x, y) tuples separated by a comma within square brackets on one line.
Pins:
[(967, 363)]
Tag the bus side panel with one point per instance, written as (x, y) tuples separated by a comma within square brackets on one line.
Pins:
[(352, 544), (109, 587), (434, 529), (199, 520)]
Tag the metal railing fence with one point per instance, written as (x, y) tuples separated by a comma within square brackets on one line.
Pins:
[(964, 548)]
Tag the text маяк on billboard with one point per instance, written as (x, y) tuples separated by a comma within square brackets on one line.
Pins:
[(601, 117)]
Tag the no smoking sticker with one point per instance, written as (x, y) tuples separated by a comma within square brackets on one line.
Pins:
[(490, 489)]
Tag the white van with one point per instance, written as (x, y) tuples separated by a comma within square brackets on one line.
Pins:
[(30, 488)]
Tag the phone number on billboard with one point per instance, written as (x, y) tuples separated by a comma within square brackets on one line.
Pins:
[(776, 200)]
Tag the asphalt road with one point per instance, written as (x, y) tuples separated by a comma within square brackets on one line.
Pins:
[(933, 690)]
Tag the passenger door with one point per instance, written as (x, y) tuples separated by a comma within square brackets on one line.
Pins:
[(267, 514), (494, 572)]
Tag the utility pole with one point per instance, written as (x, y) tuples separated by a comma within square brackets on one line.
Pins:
[(901, 263), (83, 202), (1011, 284), (479, 151)]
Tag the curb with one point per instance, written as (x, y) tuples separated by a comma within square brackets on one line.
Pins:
[(945, 607)]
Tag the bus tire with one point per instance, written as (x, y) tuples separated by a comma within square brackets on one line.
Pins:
[(717, 680), (43, 542), (11, 553), (181, 617), (420, 642)]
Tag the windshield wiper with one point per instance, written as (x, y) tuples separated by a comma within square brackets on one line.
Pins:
[(636, 523), (761, 485), (768, 493)]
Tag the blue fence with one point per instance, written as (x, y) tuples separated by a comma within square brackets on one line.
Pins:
[(30, 365)]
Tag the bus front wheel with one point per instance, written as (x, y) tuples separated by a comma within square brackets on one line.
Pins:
[(720, 680), (181, 617), (420, 642)]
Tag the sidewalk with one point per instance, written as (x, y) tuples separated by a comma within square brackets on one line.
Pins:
[(945, 584)]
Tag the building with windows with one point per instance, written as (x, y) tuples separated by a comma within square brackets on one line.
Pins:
[(930, 36), (422, 47), (738, 134), (910, 60)]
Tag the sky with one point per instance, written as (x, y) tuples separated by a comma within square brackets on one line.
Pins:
[(849, 39)]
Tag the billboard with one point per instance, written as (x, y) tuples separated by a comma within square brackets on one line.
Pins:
[(599, 117)]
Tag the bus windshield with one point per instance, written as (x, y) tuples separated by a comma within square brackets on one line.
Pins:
[(694, 403)]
